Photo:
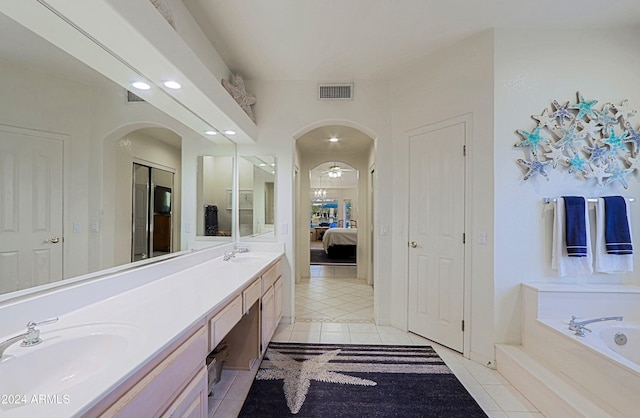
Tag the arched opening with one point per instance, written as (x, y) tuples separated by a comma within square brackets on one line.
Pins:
[(142, 173), (345, 208)]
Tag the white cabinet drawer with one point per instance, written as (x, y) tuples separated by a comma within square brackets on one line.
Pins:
[(152, 394), (270, 276), (251, 294), (221, 324)]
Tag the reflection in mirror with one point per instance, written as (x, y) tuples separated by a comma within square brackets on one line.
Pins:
[(215, 202), (256, 197), (152, 216), (76, 135)]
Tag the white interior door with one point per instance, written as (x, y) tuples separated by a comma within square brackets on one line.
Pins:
[(30, 210), (436, 228)]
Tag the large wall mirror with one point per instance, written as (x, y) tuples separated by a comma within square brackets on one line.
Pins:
[(79, 136), (256, 197)]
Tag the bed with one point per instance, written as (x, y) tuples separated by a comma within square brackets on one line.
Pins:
[(340, 242)]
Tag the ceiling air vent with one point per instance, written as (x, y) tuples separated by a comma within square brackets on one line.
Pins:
[(335, 91), (132, 98)]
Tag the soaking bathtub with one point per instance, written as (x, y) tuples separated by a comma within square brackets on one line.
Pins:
[(595, 369)]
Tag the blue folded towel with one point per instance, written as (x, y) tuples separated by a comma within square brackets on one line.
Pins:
[(617, 237), (575, 230)]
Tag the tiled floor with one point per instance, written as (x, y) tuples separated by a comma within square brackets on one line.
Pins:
[(331, 317)]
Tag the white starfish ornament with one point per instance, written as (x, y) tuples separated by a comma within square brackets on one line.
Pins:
[(236, 89)]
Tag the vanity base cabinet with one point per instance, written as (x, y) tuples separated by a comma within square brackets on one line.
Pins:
[(171, 384), (193, 401)]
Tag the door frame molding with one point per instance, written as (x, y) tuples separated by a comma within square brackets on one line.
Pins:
[(466, 120)]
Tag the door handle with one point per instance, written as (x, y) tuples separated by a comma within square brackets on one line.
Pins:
[(53, 240), (413, 244)]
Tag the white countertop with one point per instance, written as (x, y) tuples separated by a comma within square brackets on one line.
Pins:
[(159, 312)]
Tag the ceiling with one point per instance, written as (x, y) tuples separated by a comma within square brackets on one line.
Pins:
[(316, 141), (338, 40)]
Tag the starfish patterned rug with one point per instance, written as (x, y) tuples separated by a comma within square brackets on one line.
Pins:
[(336, 380)]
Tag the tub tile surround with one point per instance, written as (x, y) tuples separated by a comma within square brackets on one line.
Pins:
[(566, 375), (158, 300)]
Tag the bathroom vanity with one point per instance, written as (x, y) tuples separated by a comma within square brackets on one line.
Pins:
[(151, 342)]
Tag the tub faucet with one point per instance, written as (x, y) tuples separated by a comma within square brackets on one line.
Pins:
[(579, 326), (29, 338)]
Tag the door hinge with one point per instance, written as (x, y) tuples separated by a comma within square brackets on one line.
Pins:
[(464, 238), (464, 150), (463, 325)]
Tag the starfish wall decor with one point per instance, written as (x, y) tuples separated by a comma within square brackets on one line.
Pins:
[(590, 142), (236, 89)]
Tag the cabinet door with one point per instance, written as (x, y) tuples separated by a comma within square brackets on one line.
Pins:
[(192, 402), (268, 317), (279, 301)]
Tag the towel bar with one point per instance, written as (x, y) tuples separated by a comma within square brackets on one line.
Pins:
[(547, 200)]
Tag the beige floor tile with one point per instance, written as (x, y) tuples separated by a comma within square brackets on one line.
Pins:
[(509, 399), (305, 337), (335, 337)]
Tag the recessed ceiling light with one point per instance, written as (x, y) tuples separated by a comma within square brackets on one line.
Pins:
[(174, 85), (141, 85), (230, 132), (333, 139), (262, 164), (211, 132)]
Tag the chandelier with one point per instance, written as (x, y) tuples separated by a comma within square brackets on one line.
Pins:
[(335, 172), (320, 193)]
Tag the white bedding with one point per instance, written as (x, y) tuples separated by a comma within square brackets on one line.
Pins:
[(339, 236)]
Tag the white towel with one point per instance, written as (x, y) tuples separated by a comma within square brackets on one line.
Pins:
[(610, 263), (560, 260)]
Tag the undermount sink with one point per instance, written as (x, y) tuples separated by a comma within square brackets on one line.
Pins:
[(66, 357), (248, 259)]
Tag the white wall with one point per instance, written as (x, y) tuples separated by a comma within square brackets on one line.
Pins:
[(448, 84), (286, 110), (532, 69)]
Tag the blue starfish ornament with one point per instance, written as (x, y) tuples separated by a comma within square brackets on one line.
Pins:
[(569, 137), (562, 112), (535, 166), (597, 153), (604, 118), (634, 137), (617, 174), (584, 107), (532, 139), (614, 141), (576, 162)]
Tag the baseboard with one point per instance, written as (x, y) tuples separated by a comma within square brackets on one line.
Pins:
[(546, 390)]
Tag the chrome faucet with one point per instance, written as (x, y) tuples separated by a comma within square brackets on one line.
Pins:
[(29, 338), (232, 254), (579, 326)]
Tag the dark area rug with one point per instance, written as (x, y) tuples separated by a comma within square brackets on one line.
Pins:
[(336, 380), (321, 258)]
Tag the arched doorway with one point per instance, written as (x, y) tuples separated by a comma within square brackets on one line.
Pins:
[(353, 150)]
